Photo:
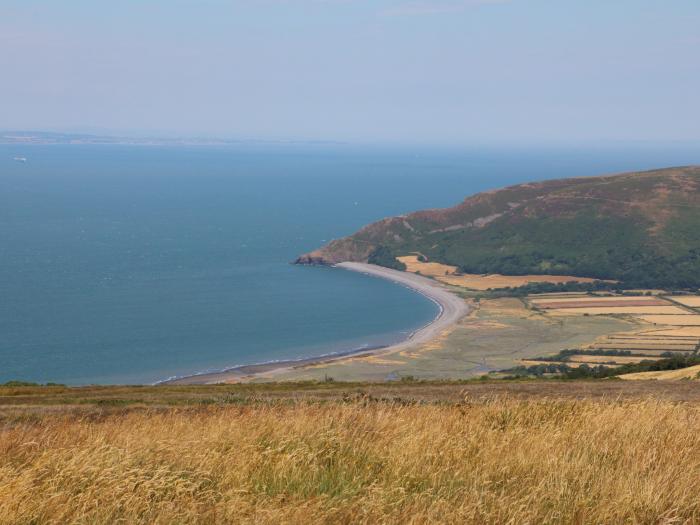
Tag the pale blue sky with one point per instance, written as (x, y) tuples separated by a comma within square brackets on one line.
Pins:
[(433, 71)]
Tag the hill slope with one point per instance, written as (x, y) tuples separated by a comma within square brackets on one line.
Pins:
[(639, 228)]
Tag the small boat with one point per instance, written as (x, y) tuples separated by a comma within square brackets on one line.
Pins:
[(20, 159)]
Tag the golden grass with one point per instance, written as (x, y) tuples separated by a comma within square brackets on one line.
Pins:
[(668, 375), (498, 461), (677, 332), (673, 320), (692, 301), (431, 269), (445, 274), (659, 311)]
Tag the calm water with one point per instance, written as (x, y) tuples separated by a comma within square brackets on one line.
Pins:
[(134, 264)]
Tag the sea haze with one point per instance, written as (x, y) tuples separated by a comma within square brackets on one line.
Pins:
[(132, 264)]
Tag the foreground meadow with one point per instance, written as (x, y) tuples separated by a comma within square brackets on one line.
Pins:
[(355, 459)]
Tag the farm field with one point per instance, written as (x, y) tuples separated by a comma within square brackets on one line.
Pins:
[(691, 301), (658, 346), (449, 275), (558, 295), (602, 359), (570, 364), (603, 302), (677, 332), (659, 354), (692, 372), (663, 327), (672, 320), (674, 311), (646, 310), (585, 299)]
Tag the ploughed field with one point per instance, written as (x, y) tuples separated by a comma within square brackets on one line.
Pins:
[(475, 452), (656, 336)]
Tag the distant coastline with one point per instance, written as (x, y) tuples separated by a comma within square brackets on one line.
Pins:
[(47, 138), (451, 309)]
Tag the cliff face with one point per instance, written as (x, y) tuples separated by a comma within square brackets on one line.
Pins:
[(637, 227)]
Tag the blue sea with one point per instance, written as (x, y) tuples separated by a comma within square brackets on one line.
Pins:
[(133, 264)]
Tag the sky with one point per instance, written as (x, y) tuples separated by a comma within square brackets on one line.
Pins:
[(416, 71)]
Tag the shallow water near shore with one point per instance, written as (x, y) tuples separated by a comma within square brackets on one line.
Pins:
[(131, 264)]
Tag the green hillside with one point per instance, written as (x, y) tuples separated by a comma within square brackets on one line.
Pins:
[(642, 229)]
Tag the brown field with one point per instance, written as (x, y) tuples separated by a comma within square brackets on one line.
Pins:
[(445, 274), (661, 312), (673, 320), (496, 453), (602, 302), (692, 301)]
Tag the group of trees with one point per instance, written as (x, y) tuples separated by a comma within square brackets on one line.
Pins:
[(562, 370)]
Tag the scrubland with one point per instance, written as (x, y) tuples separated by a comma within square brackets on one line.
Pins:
[(486, 455)]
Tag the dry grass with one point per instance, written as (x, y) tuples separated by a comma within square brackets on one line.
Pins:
[(431, 269), (673, 320), (692, 301), (496, 461), (446, 274), (677, 332)]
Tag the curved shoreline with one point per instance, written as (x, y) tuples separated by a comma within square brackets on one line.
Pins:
[(451, 309)]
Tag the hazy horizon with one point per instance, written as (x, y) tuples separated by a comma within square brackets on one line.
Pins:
[(406, 71)]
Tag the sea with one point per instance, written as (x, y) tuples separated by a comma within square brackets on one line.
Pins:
[(134, 263)]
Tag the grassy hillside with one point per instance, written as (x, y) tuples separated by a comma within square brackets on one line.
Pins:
[(267, 455), (642, 229)]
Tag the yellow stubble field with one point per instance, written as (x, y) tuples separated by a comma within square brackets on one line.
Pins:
[(693, 301), (449, 275), (672, 320)]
